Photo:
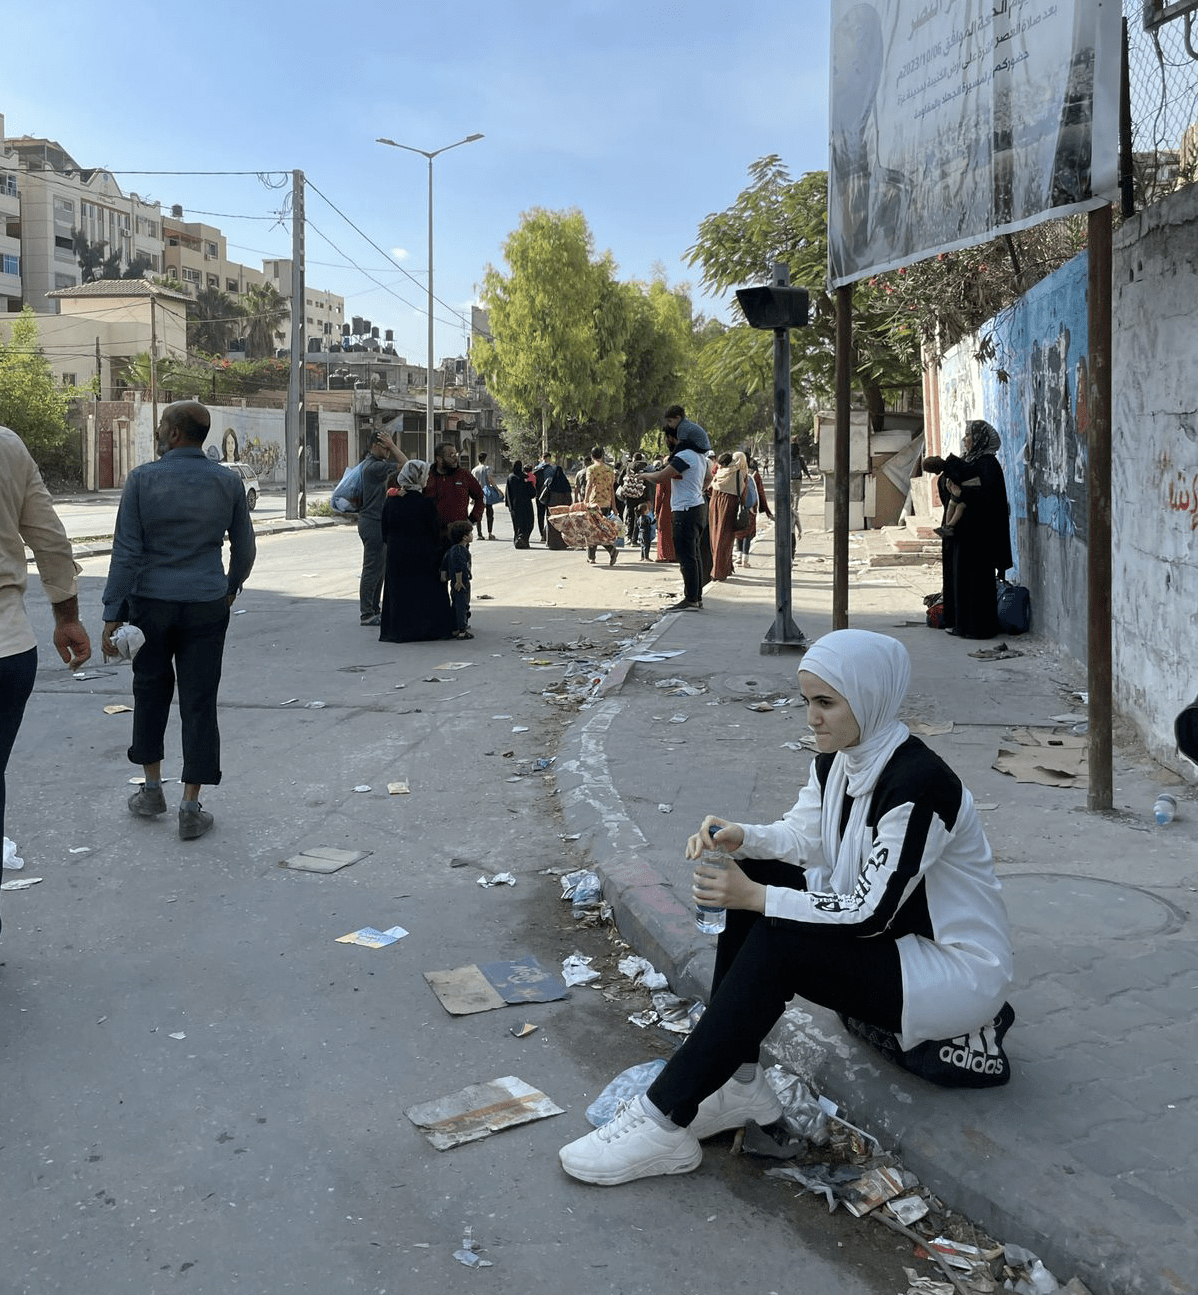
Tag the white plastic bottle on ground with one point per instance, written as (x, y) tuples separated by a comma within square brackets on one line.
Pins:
[(1165, 808)]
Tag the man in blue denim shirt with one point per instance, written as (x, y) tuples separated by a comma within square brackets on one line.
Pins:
[(167, 578)]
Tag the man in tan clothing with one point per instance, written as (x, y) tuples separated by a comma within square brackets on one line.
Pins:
[(27, 517)]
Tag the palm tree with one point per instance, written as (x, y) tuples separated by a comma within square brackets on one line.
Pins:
[(212, 320), (265, 309)]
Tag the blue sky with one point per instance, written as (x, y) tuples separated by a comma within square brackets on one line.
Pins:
[(645, 116)]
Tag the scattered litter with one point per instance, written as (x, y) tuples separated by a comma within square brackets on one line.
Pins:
[(930, 728), (20, 883), (454, 665), (82, 674), (520, 728), (522, 1031), (572, 836), (499, 879), (828, 1181), (515, 777), (674, 1014), (462, 991), (922, 1285), (807, 743), (643, 1019), (1000, 652), (760, 706), (679, 688), (652, 657), (908, 1209), (178, 1035), (875, 1187), (239, 612), (985, 804), (545, 762), (679, 719), (642, 972), (11, 858), (323, 858), (606, 616), (833, 1110), (501, 717), (314, 705), (1044, 757), (363, 786), (290, 701), (398, 789), (801, 1110), (577, 970), (479, 1110), (583, 887), (458, 862), (1069, 719), (666, 809), (466, 1255), (370, 937), (627, 1084), (116, 709)]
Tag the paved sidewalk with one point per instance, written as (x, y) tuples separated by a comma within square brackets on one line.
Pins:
[(1089, 1157)]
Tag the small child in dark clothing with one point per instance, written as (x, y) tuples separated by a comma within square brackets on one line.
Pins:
[(455, 571), (959, 472), (646, 529)]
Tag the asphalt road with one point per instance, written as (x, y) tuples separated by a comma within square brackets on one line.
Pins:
[(204, 1091)]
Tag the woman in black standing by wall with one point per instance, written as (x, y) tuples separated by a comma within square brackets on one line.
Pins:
[(977, 554)]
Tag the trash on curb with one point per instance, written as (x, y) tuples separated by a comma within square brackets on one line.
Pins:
[(477, 1111), (370, 937), (666, 809), (483, 987), (1000, 652), (454, 665), (918, 1284), (363, 786), (1045, 757), (577, 970), (117, 709), (642, 972), (522, 1031), (499, 879), (674, 1013), (762, 706), (828, 1181), (627, 1084), (398, 789), (544, 762), (19, 883), (323, 858), (875, 1187), (584, 889), (908, 1209), (11, 859), (314, 705), (801, 1110)]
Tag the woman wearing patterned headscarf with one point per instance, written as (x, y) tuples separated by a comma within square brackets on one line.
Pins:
[(874, 895), (415, 604), (977, 548)]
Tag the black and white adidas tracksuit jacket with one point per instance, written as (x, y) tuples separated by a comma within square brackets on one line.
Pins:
[(925, 878)]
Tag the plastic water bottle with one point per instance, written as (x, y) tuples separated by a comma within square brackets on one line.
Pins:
[(1165, 808), (710, 918)]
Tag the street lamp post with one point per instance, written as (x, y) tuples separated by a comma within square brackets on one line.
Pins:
[(428, 415)]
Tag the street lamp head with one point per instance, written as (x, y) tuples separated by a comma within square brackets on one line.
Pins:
[(471, 138)]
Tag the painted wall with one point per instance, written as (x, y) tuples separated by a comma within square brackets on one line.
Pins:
[(1154, 467), (1040, 345)]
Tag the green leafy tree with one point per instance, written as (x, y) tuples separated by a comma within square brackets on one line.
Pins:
[(265, 310), (780, 219), (213, 320), (95, 264), (30, 402), (554, 360)]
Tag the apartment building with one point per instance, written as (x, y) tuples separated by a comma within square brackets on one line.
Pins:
[(197, 256), (47, 195)]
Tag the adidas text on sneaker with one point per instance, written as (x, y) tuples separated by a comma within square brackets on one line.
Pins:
[(734, 1104), (630, 1146)]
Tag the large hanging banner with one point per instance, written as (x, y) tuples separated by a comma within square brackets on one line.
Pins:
[(953, 121)]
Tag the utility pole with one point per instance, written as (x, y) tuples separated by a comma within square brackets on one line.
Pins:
[(153, 369), (294, 422)]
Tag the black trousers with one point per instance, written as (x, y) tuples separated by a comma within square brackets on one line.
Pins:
[(17, 674), (761, 963), (688, 527), (184, 641)]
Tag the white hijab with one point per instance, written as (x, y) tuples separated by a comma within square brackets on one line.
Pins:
[(871, 672)]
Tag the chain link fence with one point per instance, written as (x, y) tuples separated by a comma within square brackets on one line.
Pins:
[(1163, 75)]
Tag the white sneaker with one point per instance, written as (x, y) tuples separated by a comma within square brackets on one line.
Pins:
[(745, 562), (630, 1146), (729, 1107)]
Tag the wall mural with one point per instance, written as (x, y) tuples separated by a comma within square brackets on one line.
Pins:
[(1056, 440)]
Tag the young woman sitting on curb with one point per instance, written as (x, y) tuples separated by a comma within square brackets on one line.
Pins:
[(875, 896)]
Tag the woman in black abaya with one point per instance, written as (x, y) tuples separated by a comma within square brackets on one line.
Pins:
[(977, 554), (415, 604)]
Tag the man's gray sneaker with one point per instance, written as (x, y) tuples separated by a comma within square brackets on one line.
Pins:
[(147, 803), (193, 823)]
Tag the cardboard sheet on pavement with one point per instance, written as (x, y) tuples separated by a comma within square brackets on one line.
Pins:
[(479, 1110), (483, 987), (1043, 756)]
